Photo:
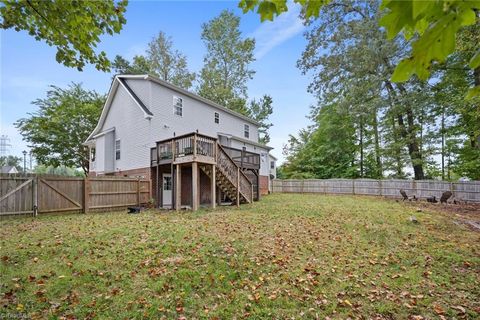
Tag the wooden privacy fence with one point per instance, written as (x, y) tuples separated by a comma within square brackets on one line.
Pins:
[(35, 194), (467, 191)]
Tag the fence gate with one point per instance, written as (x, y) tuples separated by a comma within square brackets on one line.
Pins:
[(17, 195), (60, 194)]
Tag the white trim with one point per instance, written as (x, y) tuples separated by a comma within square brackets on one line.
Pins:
[(106, 107), (253, 143), (103, 132), (145, 115), (189, 94)]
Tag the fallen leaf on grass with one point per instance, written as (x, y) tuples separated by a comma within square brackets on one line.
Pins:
[(460, 309)]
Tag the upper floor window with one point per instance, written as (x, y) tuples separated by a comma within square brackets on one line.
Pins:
[(117, 149), (177, 106), (217, 117), (246, 131), (272, 164)]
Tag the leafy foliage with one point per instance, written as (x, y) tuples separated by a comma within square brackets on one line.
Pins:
[(431, 26), (223, 79), (59, 171), (226, 71), (260, 111), (73, 28), (65, 118), (396, 126), (160, 60), (14, 161)]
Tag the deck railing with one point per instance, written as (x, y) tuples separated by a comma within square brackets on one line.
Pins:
[(230, 169), (243, 158), (189, 147)]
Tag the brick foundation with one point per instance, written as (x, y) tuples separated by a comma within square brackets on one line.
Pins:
[(263, 185)]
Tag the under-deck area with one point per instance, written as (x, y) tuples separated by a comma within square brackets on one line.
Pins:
[(194, 170)]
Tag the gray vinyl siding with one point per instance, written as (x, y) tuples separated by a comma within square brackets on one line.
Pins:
[(138, 134), (196, 114)]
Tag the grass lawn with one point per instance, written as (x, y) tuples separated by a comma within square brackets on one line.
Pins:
[(288, 256)]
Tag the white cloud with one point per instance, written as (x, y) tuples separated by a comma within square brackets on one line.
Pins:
[(135, 50), (273, 33)]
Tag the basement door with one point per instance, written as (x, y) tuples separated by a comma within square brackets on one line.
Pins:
[(167, 190)]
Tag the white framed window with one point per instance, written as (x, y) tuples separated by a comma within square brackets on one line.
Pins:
[(92, 154), (272, 164), (217, 117), (117, 149), (177, 106), (246, 131)]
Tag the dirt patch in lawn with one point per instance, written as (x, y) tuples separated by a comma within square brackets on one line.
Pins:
[(464, 213)]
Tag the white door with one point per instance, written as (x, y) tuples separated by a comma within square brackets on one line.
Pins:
[(167, 190)]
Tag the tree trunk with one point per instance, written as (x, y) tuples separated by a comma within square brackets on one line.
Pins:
[(443, 142), (361, 147), (398, 158), (378, 158), (408, 132), (475, 139)]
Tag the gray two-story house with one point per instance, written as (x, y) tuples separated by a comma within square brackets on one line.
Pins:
[(195, 151)]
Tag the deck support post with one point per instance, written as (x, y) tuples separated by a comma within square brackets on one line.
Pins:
[(195, 193), (213, 184), (178, 187), (238, 186)]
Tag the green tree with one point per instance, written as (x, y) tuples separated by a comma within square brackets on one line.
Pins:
[(63, 122), (226, 71), (260, 111), (160, 60), (139, 65), (326, 151), (74, 28), (14, 161), (430, 25), (59, 171), (354, 72)]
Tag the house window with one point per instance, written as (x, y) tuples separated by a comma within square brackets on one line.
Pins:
[(177, 106), (246, 131), (217, 117), (117, 149), (92, 154), (272, 164)]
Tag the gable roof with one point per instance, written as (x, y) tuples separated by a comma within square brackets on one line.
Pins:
[(119, 80), (135, 97), (8, 169), (189, 94), (253, 143)]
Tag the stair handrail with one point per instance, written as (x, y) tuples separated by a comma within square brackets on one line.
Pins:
[(245, 194)]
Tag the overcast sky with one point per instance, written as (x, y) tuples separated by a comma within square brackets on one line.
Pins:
[(28, 67)]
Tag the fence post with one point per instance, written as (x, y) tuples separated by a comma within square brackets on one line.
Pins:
[(86, 194), (303, 185), (35, 195), (353, 186), (380, 186), (138, 191)]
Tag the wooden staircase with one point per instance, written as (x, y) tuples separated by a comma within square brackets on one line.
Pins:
[(229, 177)]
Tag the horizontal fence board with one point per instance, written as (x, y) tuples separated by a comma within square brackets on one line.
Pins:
[(465, 190)]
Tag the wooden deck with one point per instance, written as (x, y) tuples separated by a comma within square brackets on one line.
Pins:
[(204, 153)]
